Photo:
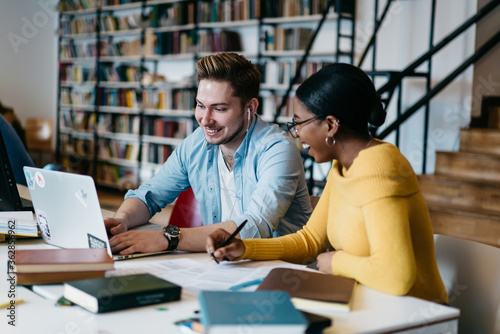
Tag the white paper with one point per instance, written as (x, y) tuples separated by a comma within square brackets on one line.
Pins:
[(197, 275)]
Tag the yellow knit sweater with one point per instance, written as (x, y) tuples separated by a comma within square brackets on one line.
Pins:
[(375, 217)]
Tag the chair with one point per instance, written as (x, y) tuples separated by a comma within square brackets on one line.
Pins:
[(39, 133), (471, 273), (186, 211), (314, 200)]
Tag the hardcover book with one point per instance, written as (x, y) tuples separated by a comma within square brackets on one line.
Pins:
[(107, 294), (63, 260), (311, 290), (56, 277), (250, 312)]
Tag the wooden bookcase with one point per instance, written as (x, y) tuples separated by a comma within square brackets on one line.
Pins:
[(127, 85)]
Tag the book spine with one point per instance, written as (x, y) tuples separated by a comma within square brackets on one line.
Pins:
[(110, 303)]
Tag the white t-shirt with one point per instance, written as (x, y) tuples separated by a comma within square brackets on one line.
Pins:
[(228, 199)]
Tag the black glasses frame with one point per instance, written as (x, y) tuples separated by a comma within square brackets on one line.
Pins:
[(292, 126)]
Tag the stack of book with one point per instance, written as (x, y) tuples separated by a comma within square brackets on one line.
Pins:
[(43, 266), (312, 291)]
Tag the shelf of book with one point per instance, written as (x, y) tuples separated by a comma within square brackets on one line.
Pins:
[(119, 59)]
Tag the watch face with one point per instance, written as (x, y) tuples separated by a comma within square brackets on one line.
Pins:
[(172, 230)]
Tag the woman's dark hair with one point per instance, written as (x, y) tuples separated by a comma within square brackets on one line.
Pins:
[(346, 92)]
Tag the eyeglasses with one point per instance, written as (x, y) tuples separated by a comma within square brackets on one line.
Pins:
[(292, 126)]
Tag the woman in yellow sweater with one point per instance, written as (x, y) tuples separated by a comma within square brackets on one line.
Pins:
[(371, 211)]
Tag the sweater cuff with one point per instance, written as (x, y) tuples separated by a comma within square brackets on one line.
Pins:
[(262, 249)]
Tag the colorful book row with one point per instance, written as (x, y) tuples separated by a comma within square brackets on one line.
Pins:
[(290, 8), (286, 39), (229, 10)]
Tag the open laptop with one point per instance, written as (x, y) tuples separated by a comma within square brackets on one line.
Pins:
[(68, 211), (9, 195)]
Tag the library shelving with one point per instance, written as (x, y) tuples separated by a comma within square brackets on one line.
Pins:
[(127, 85)]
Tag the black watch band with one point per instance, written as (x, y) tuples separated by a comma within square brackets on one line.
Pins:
[(172, 233)]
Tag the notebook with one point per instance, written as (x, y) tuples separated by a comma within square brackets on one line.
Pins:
[(9, 195), (68, 212)]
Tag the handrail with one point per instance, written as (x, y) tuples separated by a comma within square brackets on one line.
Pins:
[(375, 32), (472, 59), (485, 10)]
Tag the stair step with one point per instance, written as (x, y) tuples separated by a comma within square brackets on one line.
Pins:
[(466, 165), (460, 193), (480, 140), (471, 225), (494, 118)]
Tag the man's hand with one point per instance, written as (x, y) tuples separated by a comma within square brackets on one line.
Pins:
[(325, 262), (115, 226), (138, 242), (234, 250)]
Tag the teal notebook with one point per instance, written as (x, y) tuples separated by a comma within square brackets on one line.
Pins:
[(258, 312)]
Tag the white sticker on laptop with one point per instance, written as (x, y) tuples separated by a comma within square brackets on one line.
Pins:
[(43, 224), (95, 242), (30, 180), (40, 180)]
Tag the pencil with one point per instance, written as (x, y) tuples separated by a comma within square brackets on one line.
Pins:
[(235, 233)]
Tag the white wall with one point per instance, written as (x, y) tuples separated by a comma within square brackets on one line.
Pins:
[(28, 57), (403, 38)]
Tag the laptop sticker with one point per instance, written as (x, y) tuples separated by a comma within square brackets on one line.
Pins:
[(43, 224), (82, 197), (40, 180), (95, 242), (30, 180)]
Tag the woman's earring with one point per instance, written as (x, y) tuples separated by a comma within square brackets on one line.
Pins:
[(328, 139)]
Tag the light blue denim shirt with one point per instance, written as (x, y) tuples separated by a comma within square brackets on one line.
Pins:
[(268, 174)]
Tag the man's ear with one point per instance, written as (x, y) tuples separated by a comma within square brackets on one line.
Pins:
[(252, 105)]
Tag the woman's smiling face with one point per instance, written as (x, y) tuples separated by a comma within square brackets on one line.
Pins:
[(311, 134)]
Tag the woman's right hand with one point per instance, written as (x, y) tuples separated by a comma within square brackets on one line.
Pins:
[(215, 242)]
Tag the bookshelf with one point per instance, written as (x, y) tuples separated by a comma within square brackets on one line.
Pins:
[(127, 85)]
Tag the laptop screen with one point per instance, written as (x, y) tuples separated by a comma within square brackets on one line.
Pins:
[(9, 196)]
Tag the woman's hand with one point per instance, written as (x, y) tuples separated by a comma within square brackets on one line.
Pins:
[(325, 262), (234, 250)]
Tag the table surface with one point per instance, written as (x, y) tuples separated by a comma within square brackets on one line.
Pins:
[(372, 311)]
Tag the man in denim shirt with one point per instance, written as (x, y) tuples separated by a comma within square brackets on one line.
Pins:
[(238, 166)]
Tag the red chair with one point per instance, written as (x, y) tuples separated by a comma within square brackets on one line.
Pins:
[(186, 212)]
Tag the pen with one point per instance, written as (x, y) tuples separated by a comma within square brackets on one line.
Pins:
[(245, 284), (213, 257), (231, 237), (235, 233)]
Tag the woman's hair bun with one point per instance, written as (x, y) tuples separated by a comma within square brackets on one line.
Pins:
[(377, 115)]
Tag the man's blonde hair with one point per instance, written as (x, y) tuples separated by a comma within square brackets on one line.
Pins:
[(242, 75)]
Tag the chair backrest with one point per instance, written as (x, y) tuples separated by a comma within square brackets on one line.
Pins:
[(471, 273), (39, 132), (314, 201), (186, 211)]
